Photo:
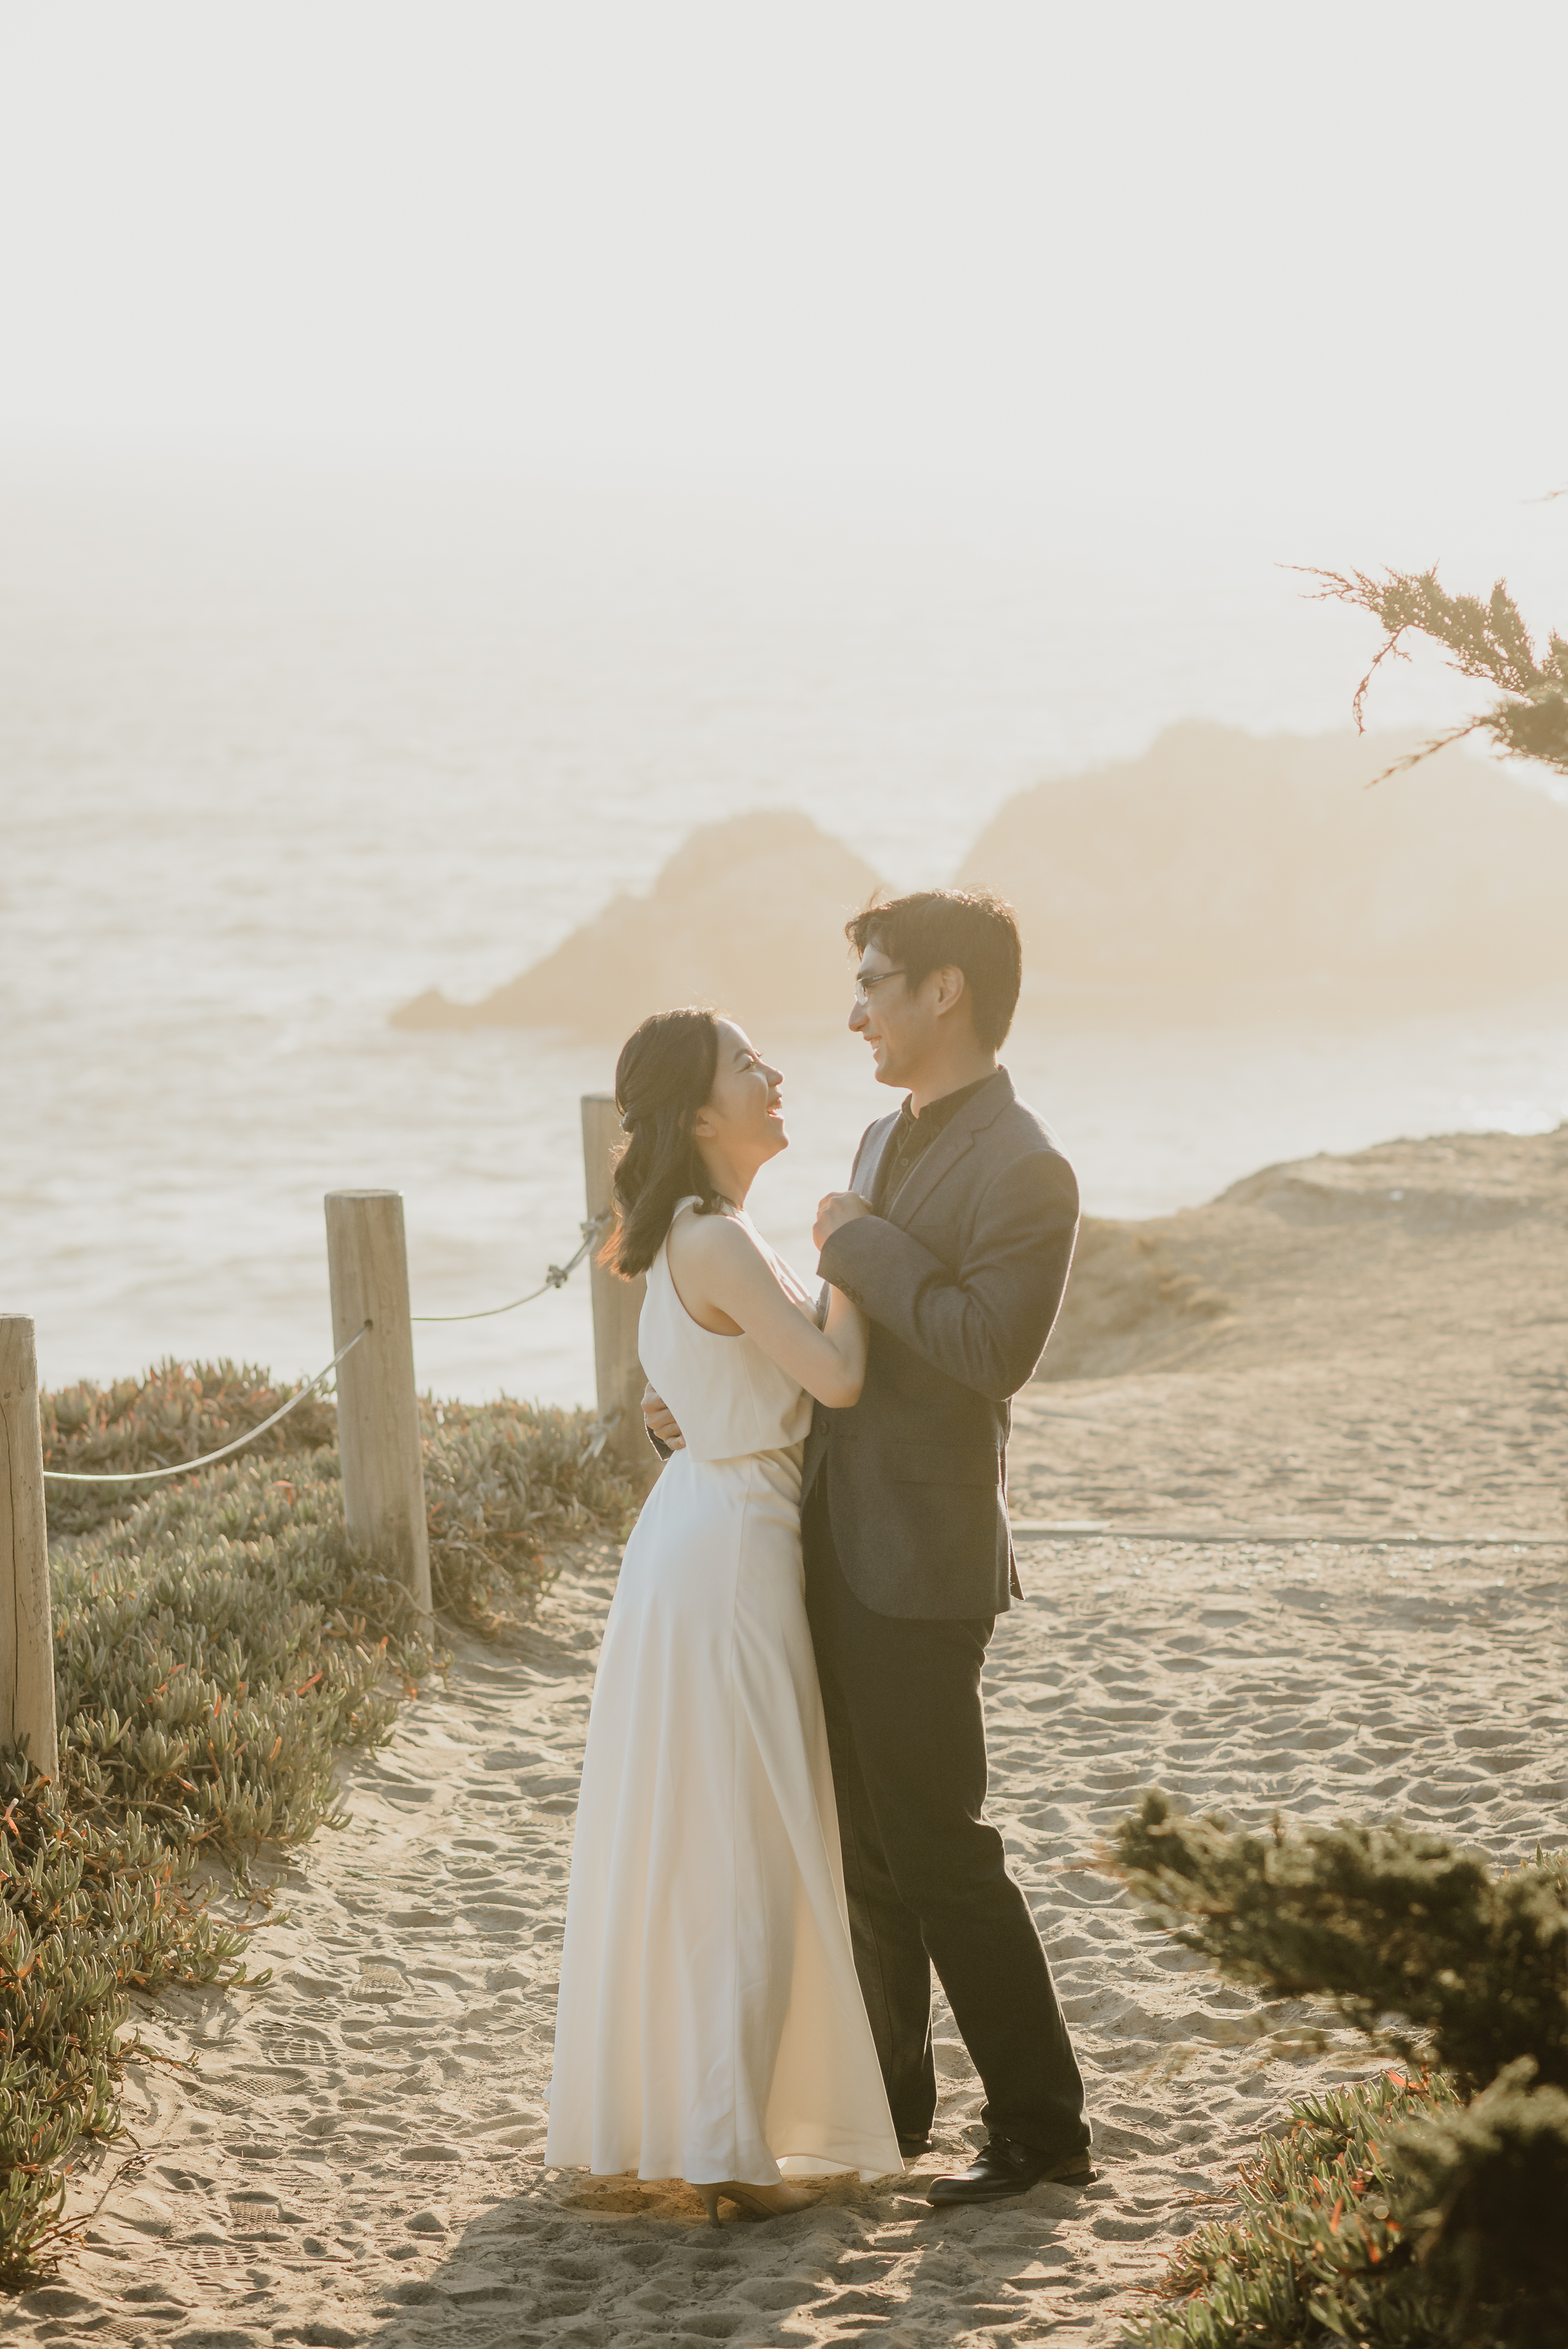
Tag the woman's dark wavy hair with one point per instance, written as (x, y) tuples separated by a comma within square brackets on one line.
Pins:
[(662, 1077)]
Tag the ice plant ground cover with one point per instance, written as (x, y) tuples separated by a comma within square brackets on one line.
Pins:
[(218, 1643)]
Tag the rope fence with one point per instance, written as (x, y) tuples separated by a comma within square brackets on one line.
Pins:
[(556, 1277), (381, 1437), (185, 1467)]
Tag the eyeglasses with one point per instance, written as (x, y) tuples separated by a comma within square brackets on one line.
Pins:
[(864, 985)]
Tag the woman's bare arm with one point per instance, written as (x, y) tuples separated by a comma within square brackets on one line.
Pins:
[(727, 1286)]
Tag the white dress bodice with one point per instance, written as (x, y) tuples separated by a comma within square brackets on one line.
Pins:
[(731, 1398)]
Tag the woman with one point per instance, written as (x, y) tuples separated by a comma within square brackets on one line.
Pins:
[(710, 2027)]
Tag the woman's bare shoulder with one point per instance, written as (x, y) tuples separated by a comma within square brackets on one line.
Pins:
[(711, 1240)]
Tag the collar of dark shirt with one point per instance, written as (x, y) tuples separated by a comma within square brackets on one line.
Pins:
[(936, 1114), (912, 1136)]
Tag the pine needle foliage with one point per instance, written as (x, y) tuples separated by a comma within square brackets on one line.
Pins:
[(1485, 2194), (1382, 1920), (1393, 2214), (218, 1644), (1487, 641)]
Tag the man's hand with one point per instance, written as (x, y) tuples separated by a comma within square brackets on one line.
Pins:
[(660, 1421), (839, 1208)]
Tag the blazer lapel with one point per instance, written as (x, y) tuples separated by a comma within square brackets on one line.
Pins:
[(947, 1149)]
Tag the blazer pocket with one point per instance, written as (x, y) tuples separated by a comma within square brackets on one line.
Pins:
[(939, 1463)]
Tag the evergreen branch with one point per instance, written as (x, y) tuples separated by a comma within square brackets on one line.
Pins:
[(1485, 641), (1427, 750), (1488, 641), (1536, 728), (1383, 1921)]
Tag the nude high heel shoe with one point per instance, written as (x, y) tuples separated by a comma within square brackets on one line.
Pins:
[(757, 2201)]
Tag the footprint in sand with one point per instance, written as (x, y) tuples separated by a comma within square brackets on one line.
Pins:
[(377, 1980)]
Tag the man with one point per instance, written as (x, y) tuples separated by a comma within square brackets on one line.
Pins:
[(955, 1239)]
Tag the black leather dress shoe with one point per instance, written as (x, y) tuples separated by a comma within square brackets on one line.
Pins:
[(911, 2148), (1004, 2167)]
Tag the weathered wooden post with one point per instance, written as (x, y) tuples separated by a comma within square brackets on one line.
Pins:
[(27, 1634), (377, 1408), (618, 1374)]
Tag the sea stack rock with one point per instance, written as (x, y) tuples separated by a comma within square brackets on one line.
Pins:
[(1221, 874), (748, 915)]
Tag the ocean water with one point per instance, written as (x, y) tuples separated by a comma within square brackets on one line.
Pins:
[(274, 756)]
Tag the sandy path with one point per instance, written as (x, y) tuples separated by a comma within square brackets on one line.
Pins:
[(359, 2158)]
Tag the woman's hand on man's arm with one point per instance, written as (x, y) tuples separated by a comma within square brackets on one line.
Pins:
[(839, 1208)]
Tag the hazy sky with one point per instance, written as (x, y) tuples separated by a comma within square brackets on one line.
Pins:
[(1129, 264)]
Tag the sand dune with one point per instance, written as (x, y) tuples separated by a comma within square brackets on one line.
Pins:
[(1376, 1338), (358, 2159)]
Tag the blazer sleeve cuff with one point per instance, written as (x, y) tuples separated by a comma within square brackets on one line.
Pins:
[(861, 1256)]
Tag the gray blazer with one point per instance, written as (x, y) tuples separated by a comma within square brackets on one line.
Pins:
[(961, 1281)]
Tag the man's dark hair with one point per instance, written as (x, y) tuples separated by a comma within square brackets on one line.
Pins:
[(968, 929)]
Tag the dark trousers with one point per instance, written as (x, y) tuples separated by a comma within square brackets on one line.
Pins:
[(927, 1882)]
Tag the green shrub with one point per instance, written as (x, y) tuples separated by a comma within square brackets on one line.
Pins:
[(1484, 2192), (1395, 2214), (1383, 1919)]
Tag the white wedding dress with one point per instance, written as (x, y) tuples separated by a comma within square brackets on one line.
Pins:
[(710, 2025)]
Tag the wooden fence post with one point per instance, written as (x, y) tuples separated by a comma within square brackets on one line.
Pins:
[(378, 1407), (618, 1375), (27, 1634)]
